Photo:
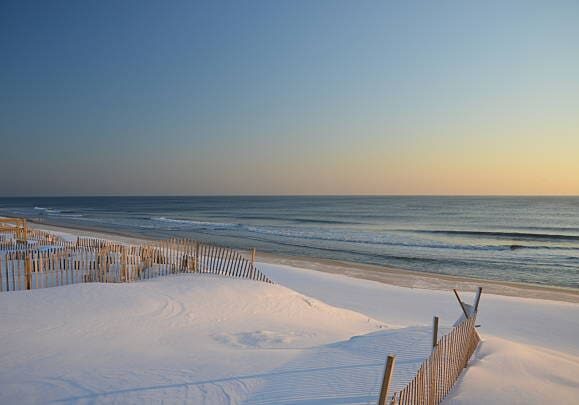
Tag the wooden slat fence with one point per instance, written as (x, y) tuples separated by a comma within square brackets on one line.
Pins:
[(15, 226), (438, 373), (35, 238), (39, 265)]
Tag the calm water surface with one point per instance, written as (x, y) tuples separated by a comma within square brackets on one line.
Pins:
[(528, 239)]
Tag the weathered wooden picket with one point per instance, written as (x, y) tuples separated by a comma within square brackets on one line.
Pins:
[(438, 373), (43, 262)]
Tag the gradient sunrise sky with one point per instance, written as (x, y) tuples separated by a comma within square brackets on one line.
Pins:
[(289, 97)]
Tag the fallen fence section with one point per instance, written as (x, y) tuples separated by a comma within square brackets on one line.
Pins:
[(439, 372)]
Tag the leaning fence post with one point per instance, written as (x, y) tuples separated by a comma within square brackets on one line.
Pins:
[(386, 379), (434, 332), (466, 314), (477, 299)]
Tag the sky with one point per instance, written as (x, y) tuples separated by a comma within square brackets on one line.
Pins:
[(289, 97)]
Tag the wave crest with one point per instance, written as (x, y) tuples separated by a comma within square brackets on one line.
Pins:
[(510, 235), (189, 222)]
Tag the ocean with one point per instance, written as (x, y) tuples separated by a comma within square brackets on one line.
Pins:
[(522, 239)]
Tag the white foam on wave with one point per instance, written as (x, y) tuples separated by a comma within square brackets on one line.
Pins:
[(53, 212), (59, 214), (48, 210), (189, 222)]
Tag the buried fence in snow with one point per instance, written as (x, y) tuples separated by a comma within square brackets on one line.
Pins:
[(439, 372), (39, 264)]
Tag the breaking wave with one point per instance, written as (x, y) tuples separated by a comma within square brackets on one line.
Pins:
[(188, 222)]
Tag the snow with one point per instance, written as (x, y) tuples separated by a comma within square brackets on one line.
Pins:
[(505, 372), (529, 353), (146, 340), (314, 338), (550, 324)]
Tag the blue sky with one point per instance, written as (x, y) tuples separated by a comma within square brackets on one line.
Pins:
[(313, 97)]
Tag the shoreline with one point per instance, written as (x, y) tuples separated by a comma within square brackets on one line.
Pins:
[(88, 231), (430, 281), (386, 275)]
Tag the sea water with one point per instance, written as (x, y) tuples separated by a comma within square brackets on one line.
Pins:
[(524, 239)]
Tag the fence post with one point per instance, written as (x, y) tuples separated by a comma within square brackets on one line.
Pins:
[(124, 277), (196, 255), (28, 271), (434, 332), (386, 380), (477, 299), (466, 314), (252, 255), (24, 231)]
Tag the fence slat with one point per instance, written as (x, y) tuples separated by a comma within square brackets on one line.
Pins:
[(438, 373), (48, 261)]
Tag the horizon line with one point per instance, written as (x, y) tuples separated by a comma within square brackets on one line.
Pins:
[(279, 195)]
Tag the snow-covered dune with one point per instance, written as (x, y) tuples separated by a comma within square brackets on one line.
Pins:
[(195, 337), (530, 348), (506, 372), (314, 338)]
